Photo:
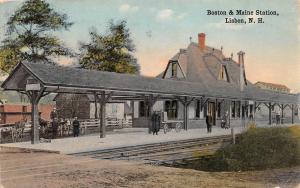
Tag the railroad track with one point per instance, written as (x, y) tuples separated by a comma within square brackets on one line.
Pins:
[(163, 152)]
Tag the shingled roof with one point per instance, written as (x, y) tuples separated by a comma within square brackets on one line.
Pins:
[(68, 79), (203, 66)]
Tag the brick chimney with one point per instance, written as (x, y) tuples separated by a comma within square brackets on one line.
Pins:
[(201, 41), (243, 80)]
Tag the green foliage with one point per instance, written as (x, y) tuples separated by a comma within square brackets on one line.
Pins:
[(8, 59), (256, 149), (111, 52), (262, 148), (28, 37)]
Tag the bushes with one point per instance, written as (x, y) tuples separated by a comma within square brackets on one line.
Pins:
[(262, 148), (256, 149)]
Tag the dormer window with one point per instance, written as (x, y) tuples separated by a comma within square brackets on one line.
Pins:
[(174, 69), (223, 75)]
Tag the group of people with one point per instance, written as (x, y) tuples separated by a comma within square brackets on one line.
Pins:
[(55, 124), (224, 122), (156, 123)]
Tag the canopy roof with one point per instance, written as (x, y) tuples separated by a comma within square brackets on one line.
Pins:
[(60, 79)]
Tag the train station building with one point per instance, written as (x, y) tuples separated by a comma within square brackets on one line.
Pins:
[(198, 81)]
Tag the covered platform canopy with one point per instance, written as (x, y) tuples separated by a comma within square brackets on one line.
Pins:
[(38, 79)]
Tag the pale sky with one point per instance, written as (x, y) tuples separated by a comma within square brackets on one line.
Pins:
[(160, 28)]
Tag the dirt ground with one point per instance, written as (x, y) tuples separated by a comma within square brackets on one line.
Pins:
[(50, 170)]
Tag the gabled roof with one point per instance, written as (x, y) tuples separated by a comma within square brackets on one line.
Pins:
[(203, 66), (54, 78)]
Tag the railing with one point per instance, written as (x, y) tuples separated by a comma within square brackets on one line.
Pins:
[(16, 132), (118, 123)]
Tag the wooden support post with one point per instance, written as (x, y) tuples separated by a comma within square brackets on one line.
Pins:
[(185, 116), (34, 118), (132, 111), (292, 113), (151, 101), (243, 115), (103, 101), (270, 113), (185, 102), (102, 115), (282, 108), (35, 97), (96, 105), (254, 111), (233, 135), (229, 112)]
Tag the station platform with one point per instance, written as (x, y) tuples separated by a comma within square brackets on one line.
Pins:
[(122, 138), (118, 138)]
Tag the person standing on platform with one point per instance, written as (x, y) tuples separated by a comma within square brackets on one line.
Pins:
[(208, 123), (53, 114), (54, 128), (155, 123), (277, 118), (76, 127)]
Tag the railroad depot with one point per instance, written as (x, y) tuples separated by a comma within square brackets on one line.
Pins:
[(198, 81)]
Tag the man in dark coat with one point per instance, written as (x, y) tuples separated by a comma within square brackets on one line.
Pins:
[(155, 123), (54, 128), (53, 114), (76, 126), (208, 123)]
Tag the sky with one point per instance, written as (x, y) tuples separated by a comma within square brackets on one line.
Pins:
[(159, 28)]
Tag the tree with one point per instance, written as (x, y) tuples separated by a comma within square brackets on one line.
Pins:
[(8, 59), (28, 35), (111, 52)]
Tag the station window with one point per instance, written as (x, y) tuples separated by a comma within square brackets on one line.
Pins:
[(238, 109), (197, 109), (251, 109), (143, 109), (171, 107), (233, 109), (244, 111), (219, 109), (114, 108)]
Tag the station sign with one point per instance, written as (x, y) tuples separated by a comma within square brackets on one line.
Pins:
[(33, 87), (251, 102)]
